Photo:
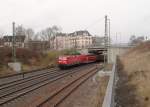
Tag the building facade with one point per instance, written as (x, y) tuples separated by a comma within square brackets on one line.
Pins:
[(19, 41), (75, 40), (38, 45), (60, 41)]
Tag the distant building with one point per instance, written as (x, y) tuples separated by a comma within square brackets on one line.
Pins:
[(38, 45), (77, 40), (80, 39), (19, 41), (61, 41)]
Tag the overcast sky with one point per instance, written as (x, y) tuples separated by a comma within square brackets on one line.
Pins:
[(127, 17)]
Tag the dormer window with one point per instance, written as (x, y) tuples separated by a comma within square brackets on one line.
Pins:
[(84, 34)]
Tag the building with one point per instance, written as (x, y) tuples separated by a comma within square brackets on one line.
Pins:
[(19, 41), (38, 45), (80, 39), (60, 41), (77, 40)]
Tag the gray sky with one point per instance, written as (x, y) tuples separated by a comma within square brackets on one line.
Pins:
[(127, 17)]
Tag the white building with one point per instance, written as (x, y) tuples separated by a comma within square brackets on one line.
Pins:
[(60, 41), (77, 40), (80, 39)]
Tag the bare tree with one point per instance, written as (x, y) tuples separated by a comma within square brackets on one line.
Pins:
[(1, 33), (1, 39), (20, 30), (49, 34), (56, 30), (29, 33), (37, 36), (136, 40)]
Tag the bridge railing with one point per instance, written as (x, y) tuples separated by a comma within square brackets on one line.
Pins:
[(113, 45), (110, 91)]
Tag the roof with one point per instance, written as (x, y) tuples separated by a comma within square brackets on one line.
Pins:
[(17, 38), (81, 32), (61, 34)]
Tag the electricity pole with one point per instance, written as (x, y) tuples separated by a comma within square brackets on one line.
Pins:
[(109, 41), (106, 39), (106, 31), (13, 44)]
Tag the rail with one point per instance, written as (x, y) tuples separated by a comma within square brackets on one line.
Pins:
[(16, 90), (110, 94), (72, 85), (22, 73)]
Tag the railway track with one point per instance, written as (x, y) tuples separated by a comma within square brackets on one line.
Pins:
[(19, 76), (26, 79), (59, 96), (11, 91)]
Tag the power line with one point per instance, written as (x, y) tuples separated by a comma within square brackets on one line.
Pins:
[(95, 22)]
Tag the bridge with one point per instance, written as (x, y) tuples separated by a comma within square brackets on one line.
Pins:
[(111, 51)]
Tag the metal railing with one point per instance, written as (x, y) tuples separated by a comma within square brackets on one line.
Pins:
[(110, 91)]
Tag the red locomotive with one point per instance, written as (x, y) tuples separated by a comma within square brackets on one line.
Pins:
[(70, 60)]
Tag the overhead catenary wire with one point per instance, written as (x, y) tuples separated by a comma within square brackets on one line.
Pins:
[(95, 22)]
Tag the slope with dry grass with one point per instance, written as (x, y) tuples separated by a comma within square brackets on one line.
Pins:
[(133, 89)]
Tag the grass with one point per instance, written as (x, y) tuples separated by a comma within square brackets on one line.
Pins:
[(32, 61), (101, 92), (134, 71)]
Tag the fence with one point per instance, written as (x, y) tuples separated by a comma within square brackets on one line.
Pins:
[(110, 91)]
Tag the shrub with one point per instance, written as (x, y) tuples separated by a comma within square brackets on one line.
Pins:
[(22, 55)]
